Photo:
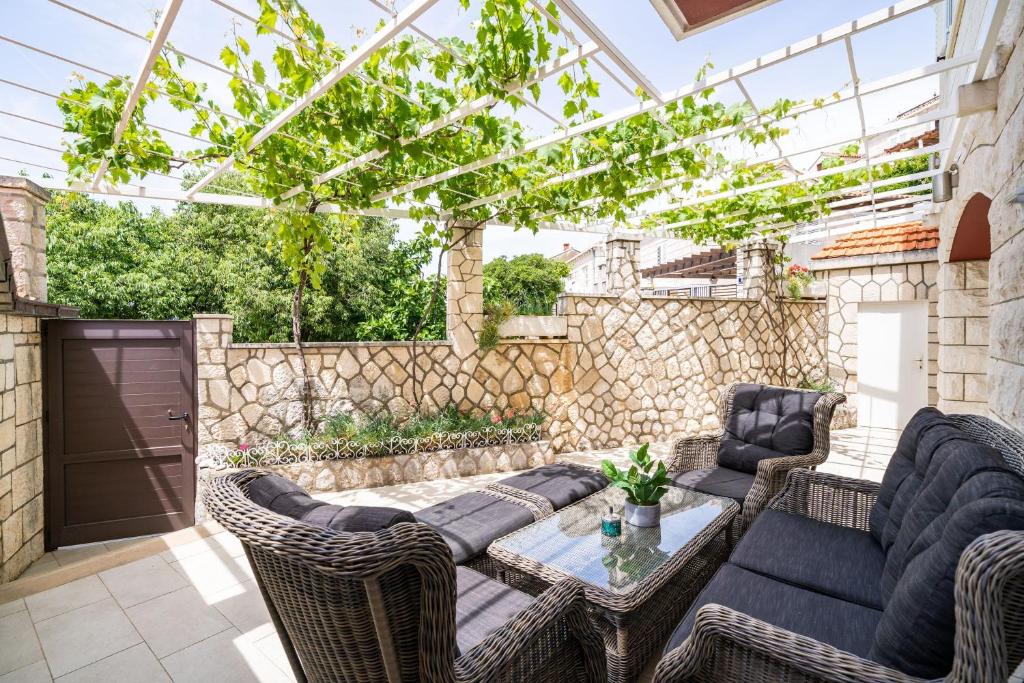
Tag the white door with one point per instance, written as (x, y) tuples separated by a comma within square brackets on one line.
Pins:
[(892, 363)]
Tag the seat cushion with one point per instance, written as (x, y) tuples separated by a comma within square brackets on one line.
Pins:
[(780, 420), (287, 498), (468, 523), (561, 483), (743, 457), (900, 482), (917, 630), (845, 625), (482, 606), (837, 561), (717, 481)]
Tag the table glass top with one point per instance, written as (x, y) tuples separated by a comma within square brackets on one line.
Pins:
[(570, 540)]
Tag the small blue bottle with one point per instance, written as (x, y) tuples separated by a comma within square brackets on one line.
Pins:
[(611, 524)]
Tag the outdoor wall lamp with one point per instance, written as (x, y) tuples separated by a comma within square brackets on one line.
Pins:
[(943, 184)]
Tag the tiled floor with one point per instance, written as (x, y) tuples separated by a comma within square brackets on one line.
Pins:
[(193, 612)]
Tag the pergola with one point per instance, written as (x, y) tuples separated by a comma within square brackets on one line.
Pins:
[(874, 202)]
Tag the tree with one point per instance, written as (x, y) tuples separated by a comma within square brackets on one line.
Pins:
[(114, 262), (530, 282)]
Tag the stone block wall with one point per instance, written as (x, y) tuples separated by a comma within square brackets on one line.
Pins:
[(630, 368), (22, 205), (963, 337), (990, 160), (854, 284)]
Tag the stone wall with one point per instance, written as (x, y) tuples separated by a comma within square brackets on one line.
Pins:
[(21, 396), (963, 337), (852, 282), (630, 368), (990, 160)]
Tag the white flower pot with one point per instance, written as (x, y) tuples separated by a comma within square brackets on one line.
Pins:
[(643, 515)]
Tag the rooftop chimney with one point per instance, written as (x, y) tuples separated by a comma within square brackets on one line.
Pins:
[(565, 246)]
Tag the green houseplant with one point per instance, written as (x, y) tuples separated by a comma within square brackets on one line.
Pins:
[(643, 489)]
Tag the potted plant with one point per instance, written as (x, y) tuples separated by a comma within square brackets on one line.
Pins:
[(643, 489), (797, 278)]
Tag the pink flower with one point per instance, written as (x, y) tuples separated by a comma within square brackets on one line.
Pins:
[(509, 414), (495, 418), (243, 446)]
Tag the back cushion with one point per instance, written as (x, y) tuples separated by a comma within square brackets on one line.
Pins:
[(780, 420), (899, 485), (284, 497), (953, 463), (918, 626)]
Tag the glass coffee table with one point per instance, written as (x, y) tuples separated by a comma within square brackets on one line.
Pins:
[(638, 585)]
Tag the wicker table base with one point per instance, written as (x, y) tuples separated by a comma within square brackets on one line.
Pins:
[(634, 618)]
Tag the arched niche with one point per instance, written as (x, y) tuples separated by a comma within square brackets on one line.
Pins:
[(972, 241)]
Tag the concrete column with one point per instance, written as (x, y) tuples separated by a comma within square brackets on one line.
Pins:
[(465, 310), (963, 337), (623, 267), (23, 208)]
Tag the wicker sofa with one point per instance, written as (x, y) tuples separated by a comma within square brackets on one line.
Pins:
[(368, 594), (918, 578), (766, 431)]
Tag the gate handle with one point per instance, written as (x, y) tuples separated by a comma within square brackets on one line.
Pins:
[(171, 416)]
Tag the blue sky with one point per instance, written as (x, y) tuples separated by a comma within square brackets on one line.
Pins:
[(632, 24)]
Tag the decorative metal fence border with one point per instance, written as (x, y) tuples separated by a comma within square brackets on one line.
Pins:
[(284, 453)]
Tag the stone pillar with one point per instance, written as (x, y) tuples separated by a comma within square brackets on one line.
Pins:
[(756, 262), (22, 215), (23, 206), (219, 423), (963, 337), (465, 310), (623, 267)]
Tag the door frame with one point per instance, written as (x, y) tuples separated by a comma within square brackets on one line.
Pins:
[(53, 334)]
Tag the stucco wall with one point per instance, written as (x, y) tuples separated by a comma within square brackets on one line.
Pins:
[(991, 161)]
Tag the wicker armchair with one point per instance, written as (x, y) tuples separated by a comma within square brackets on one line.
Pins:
[(701, 452), (381, 606), (727, 645)]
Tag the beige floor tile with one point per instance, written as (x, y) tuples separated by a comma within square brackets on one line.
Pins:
[(33, 673), (271, 647), (19, 646), (176, 620), (85, 635), (134, 665), (224, 543), (76, 553), (78, 593), (213, 572), (12, 607), (227, 657), (141, 580), (244, 608)]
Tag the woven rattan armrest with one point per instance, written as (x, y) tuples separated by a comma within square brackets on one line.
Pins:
[(726, 645), (558, 615), (827, 498), (695, 453)]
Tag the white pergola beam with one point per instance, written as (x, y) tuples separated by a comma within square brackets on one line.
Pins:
[(815, 42), (456, 115), (156, 44), (351, 62)]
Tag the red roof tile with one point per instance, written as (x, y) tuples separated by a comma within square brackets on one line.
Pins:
[(888, 239), (925, 139)]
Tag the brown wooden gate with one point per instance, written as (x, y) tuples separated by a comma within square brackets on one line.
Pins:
[(120, 429)]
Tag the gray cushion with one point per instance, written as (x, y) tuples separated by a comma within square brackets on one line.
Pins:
[(837, 561), (917, 630), (482, 606), (925, 432), (561, 483), (717, 481), (287, 498), (468, 523), (953, 463), (845, 625), (776, 419), (742, 456)]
